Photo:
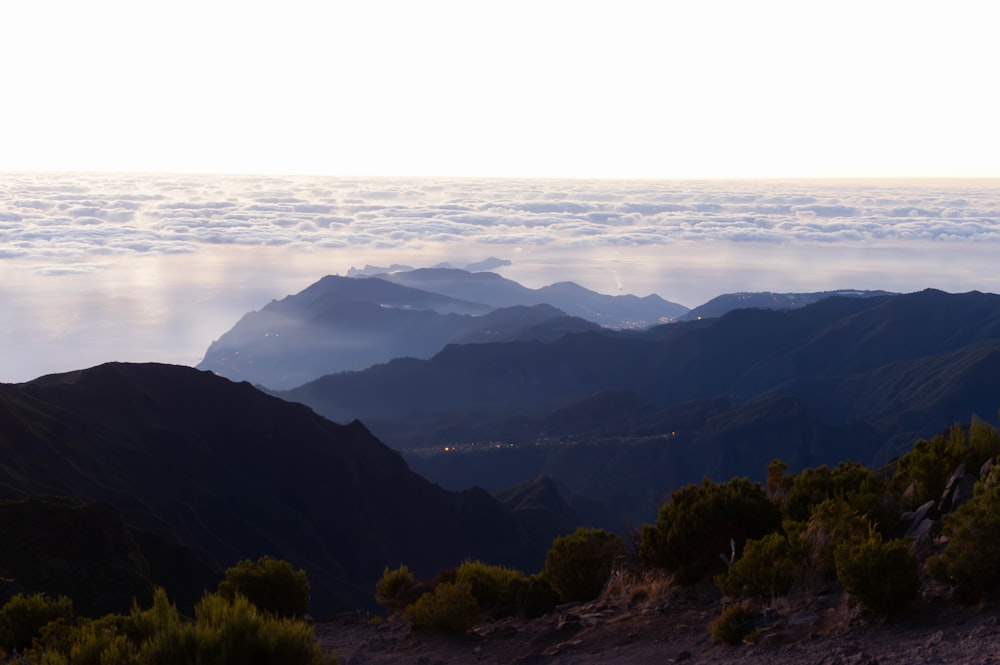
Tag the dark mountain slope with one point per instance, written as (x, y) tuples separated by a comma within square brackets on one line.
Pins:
[(843, 378), (618, 481), (228, 471)]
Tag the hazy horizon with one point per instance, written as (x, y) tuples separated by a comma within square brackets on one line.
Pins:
[(100, 267)]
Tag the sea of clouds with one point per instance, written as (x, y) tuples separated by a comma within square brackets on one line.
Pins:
[(142, 267)]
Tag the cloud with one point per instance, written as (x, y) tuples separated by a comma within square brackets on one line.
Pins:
[(73, 215)]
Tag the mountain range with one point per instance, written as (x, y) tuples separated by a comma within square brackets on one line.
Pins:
[(841, 378)]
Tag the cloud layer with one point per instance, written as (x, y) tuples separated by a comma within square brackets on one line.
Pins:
[(46, 217)]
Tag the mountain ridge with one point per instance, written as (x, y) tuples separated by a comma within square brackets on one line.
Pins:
[(226, 471)]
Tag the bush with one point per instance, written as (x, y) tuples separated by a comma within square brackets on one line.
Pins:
[(395, 588), (848, 481), (735, 622), (536, 597), (930, 463), (973, 534), (882, 576), (23, 617), (768, 567), (494, 587), (699, 522), (450, 607), (224, 631), (234, 631), (271, 584), (831, 524), (579, 565)]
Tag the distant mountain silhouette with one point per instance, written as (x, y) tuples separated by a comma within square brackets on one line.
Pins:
[(341, 324), (228, 472), (842, 378), (727, 302), (620, 311), (344, 323)]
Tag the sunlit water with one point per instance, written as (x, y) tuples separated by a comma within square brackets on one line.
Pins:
[(154, 268)]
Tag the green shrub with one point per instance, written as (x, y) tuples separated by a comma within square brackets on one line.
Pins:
[(930, 463), (536, 597), (23, 617), (579, 565), (848, 481), (224, 631), (450, 607), (271, 584), (882, 575), (395, 588), (735, 622), (494, 587), (831, 524), (234, 631), (698, 523), (768, 567), (973, 534)]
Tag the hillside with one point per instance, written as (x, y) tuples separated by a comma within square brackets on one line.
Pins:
[(229, 473)]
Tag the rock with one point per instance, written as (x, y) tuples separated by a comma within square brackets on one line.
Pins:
[(924, 536), (964, 490), (987, 466), (918, 516), (945, 505)]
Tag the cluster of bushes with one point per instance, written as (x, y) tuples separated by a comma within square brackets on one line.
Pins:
[(576, 568), (802, 532), (228, 626), (805, 531)]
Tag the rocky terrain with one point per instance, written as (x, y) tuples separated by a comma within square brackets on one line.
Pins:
[(673, 628)]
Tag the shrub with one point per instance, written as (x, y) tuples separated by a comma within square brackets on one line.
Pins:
[(848, 481), (271, 584), (579, 565), (395, 588), (831, 524), (768, 567), (23, 617), (536, 597), (882, 575), (698, 522), (224, 631), (494, 587), (733, 624), (234, 631), (930, 463), (973, 534), (451, 607)]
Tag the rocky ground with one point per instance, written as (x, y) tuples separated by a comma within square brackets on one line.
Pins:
[(672, 627)]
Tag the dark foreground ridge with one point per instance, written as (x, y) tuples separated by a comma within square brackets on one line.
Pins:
[(226, 472)]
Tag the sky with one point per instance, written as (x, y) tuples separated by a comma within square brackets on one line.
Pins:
[(685, 148), (555, 89)]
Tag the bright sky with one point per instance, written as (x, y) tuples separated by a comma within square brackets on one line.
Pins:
[(666, 88)]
